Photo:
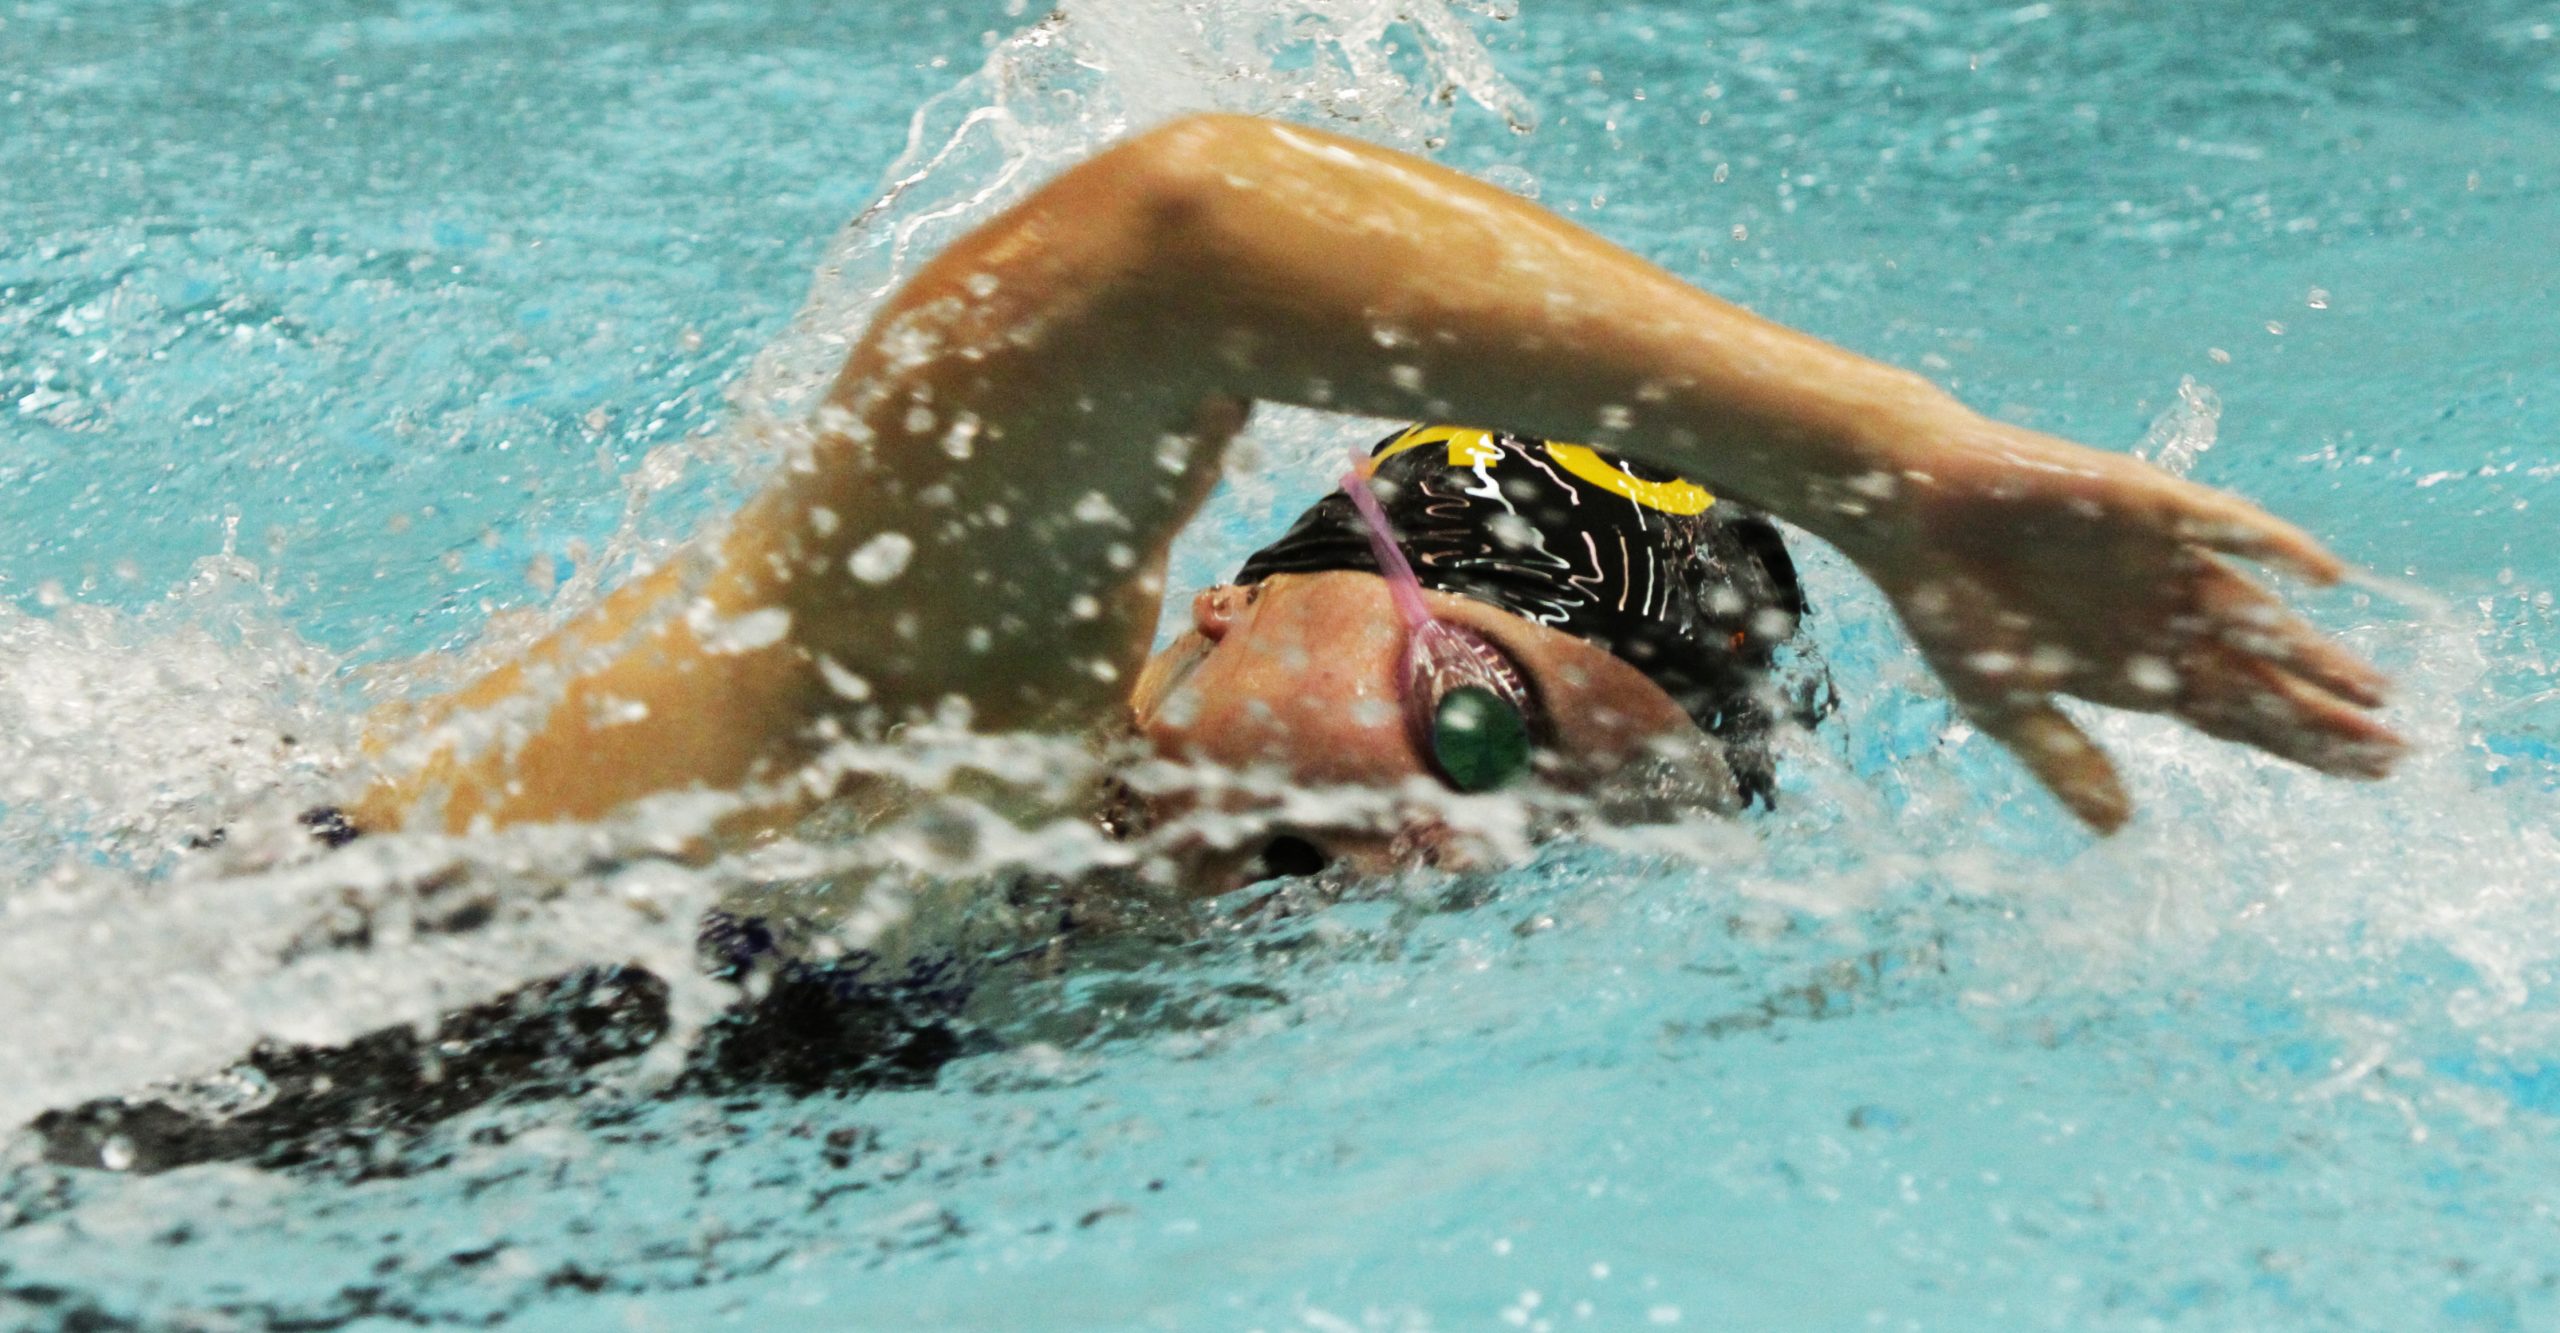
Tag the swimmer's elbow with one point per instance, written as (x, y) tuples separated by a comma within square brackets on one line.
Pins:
[(1179, 177)]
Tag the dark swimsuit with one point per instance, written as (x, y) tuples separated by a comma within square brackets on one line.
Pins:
[(807, 1027)]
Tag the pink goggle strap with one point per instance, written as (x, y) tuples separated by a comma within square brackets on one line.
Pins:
[(1402, 583)]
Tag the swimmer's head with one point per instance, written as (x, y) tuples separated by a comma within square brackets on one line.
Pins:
[(1638, 619)]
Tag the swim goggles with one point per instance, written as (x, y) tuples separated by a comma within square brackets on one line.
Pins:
[(1465, 702)]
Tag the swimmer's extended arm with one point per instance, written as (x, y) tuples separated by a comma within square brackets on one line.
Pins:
[(1009, 452)]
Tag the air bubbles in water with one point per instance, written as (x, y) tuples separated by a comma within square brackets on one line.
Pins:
[(2180, 435)]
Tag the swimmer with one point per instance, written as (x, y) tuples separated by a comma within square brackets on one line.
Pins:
[(979, 528), (1007, 454)]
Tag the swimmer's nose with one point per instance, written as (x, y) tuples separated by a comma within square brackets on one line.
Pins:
[(1289, 856)]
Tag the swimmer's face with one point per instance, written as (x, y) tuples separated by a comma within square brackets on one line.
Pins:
[(1303, 673)]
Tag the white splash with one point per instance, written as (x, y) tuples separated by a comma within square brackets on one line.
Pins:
[(2180, 435)]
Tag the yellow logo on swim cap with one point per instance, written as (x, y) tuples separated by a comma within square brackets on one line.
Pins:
[(1475, 448)]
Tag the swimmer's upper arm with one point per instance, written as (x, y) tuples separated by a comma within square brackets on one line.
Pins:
[(982, 517)]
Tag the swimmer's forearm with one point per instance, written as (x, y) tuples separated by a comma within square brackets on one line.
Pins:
[(1307, 268)]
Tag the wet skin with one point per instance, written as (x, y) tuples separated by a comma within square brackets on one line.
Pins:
[(1302, 672)]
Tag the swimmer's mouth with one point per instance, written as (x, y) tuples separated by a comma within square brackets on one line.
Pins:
[(1288, 856)]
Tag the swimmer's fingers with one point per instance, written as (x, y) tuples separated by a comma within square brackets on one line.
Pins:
[(2233, 526), (2060, 755), (2237, 696), (2252, 621)]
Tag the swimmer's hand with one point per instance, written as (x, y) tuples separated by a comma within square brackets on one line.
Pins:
[(2027, 568)]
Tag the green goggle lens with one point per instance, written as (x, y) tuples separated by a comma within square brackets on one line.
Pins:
[(1479, 741)]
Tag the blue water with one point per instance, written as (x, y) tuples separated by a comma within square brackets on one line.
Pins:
[(329, 339)]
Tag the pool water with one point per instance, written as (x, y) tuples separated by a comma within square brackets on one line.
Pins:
[(328, 340)]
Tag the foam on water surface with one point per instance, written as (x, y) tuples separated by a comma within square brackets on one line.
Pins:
[(411, 331)]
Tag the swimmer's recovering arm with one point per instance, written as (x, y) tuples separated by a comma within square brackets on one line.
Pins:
[(1010, 450)]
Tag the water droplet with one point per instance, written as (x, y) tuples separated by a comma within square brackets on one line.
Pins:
[(846, 684), (747, 633), (882, 558), (962, 439), (614, 711), (1096, 507)]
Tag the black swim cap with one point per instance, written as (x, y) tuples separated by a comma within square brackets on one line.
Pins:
[(1694, 592)]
